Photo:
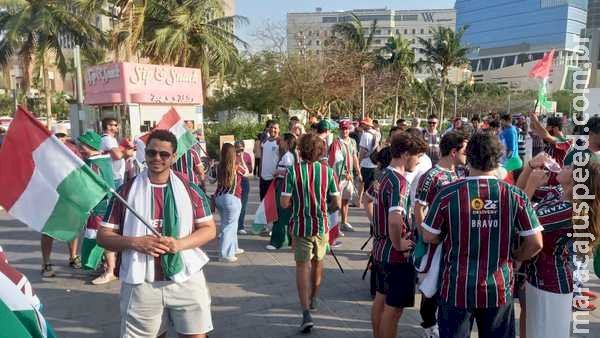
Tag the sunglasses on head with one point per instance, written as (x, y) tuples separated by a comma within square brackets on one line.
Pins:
[(164, 155)]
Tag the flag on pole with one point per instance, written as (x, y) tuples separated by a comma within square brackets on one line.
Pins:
[(19, 306), (334, 227), (267, 210), (38, 171), (543, 101), (541, 70), (172, 122)]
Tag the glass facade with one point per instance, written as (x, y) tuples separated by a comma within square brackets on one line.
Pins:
[(593, 16), (534, 25)]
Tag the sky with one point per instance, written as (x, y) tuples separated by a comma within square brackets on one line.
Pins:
[(259, 11)]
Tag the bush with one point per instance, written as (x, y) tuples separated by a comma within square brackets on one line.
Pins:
[(238, 130)]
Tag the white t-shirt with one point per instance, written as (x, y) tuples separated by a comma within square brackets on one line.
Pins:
[(118, 166), (414, 177), (368, 140), (270, 158), (287, 160)]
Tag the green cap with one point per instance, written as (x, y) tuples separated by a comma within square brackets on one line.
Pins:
[(91, 139), (326, 124)]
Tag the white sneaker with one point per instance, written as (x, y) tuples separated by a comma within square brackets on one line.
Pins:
[(242, 232), (347, 227), (337, 244), (270, 247), (341, 233), (239, 251), (432, 332), (228, 259)]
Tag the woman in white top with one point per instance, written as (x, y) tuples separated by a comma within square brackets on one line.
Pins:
[(280, 236)]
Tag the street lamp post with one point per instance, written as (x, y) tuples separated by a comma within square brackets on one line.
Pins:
[(456, 100)]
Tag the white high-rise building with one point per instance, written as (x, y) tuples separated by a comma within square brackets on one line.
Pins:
[(308, 31)]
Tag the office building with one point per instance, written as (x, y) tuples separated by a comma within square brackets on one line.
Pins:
[(307, 31), (508, 37)]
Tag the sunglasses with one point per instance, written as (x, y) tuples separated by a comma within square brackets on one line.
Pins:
[(164, 155), (432, 122)]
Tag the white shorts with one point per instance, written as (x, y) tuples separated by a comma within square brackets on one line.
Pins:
[(148, 309), (548, 313)]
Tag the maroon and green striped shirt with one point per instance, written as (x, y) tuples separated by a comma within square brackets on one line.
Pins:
[(310, 185), (478, 219), (431, 182), (393, 196), (550, 270), (559, 149), (186, 165)]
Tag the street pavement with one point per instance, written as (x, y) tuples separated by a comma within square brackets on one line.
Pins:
[(255, 297)]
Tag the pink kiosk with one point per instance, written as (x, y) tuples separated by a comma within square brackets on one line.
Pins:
[(138, 95)]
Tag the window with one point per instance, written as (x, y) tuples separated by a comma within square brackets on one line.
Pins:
[(397, 32), (309, 43), (422, 31), (496, 63), (484, 65), (414, 31), (309, 33), (474, 65), (378, 31), (377, 41), (318, 43), (330, 19), (405, 31), (509, 60)]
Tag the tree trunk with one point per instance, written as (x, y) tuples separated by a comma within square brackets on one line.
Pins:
[(47, 92), (443, 99), (397, 103)]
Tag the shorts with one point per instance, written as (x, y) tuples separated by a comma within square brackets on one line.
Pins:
[(368, 175), (148, 309), (397, 282), (346, 189), (307, 248)]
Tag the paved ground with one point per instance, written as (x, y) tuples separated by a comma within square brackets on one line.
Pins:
[(255, 297)]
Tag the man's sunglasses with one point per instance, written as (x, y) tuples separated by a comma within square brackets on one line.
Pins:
[(432, 122), (164, 155)]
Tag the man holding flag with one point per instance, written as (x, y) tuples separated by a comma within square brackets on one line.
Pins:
[(163, 281), (102, 165)]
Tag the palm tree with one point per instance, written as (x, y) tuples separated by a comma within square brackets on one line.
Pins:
[(398, 56), (354, 39), (443, 52), (192, 33), (32, 30)]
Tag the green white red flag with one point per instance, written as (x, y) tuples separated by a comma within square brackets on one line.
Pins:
[(19, 306), (173, 122), (44, 184)]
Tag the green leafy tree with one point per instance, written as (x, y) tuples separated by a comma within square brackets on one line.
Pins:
[(32, 31), (443, 52)]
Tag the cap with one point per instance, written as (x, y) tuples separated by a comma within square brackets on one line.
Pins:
[(325, 124), (345, 124), (91, 139)]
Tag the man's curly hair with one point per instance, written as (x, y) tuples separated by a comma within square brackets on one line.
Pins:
[(312, 147)]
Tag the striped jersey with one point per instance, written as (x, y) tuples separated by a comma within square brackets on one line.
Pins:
[(433, 145), (550, 270), (559, 149), (393, 195), (341, 157), (115, 215), (310, 185), (186, 165), (569, 159), (431, 182), (478, 219), (236, 187)]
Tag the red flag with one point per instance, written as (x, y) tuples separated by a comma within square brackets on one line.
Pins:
[(541, 69), (271, 203)]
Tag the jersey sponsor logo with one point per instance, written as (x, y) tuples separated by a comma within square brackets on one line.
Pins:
[(477, 204), (480, 206), (484, 223)]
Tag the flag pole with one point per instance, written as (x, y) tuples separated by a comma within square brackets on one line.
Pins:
[(336, 259), (122, 200)]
